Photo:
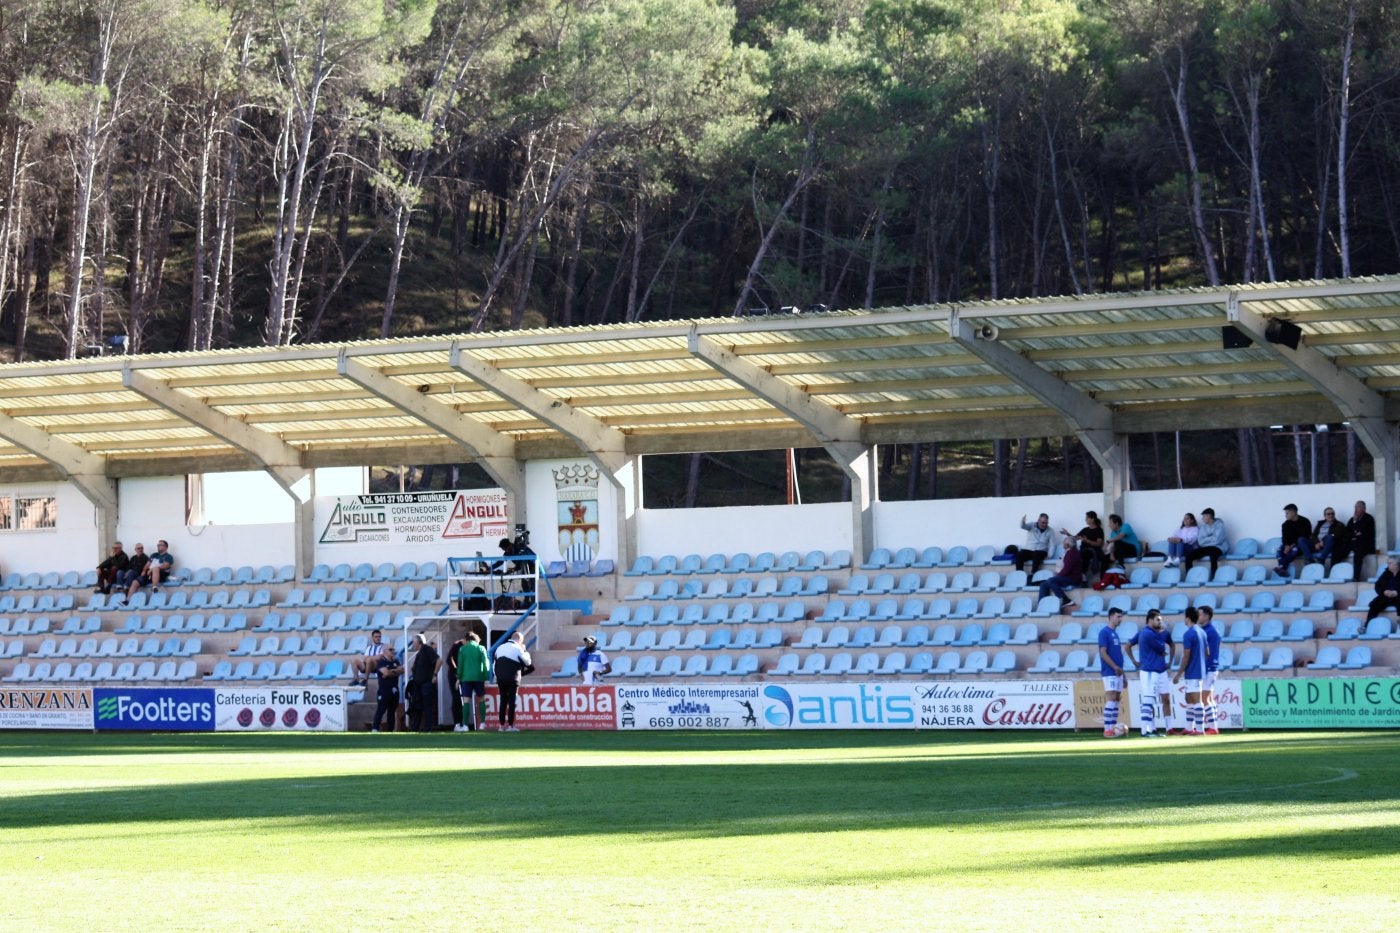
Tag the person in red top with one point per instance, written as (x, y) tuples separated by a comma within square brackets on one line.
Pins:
[(1070, 575)]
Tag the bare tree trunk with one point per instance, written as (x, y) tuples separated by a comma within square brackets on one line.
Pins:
[(805, 173), (1178, 88), (1343, 132)]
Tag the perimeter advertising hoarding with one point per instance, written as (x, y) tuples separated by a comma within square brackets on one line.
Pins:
[(472, 519), (1089, 699), (1323, 703), (279, 709), (154, 709), (550, 706), (45, 708), (682, 706)]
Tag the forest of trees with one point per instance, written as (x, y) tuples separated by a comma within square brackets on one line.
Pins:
[(210, 173)]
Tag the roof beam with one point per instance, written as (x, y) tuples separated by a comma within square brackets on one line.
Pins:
[(87, 471), (1358, 403), (600, 442), (826, 423), (279, 459), (495, 451)]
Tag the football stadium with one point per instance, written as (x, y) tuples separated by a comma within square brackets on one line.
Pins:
[(861, 713)]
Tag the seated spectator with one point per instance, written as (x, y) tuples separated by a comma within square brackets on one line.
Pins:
[(110, 570), (1089, 540), (1121, 542), (1358, 540), (1387, 590), (1039, 539), (161, 563), (1070, 575), (1211, 542), (1296, 533), (1184, 541), (365, 664), (1325, 536), (130, 579)]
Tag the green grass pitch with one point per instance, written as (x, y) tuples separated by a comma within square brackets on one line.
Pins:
[(678, 831)]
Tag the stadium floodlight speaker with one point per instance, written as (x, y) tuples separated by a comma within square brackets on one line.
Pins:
[(1232, 338), (1283, 332), (988, 332)]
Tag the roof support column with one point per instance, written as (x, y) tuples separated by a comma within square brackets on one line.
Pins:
[(1360, 405), (281, 460), (493, 450), (838, 433), (1091, 420), (86, 471), (604, 445)]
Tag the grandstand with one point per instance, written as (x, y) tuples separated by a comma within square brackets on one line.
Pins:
[(100, 449)]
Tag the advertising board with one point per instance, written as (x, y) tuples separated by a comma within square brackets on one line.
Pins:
[(45, 708), (551, 706), (675, 706), (279, 709), (474, 519), (1322, 703), (154, 709)]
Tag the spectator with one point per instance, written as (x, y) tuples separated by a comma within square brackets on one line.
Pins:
[(1387, 590), (1211, 542), (387, 671), (422, 685), (134, 575), (1121, 542), (1296, 534), (1358, 540), (512, 662), (592, 663), (110, 570), (1089, 540), (449, 658), (1039, 540), (1184, 541), (473, 670), (1070, 574), (159, 566), (1325, 536), (360, 667)]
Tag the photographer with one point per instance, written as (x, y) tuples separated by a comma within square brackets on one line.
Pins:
[(522, 567)]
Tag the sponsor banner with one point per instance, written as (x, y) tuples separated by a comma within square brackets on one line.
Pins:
[(1229, 708), (839, 706), (550, 706), (666, 706), (146, 709), (1022, 704), (45, 708), (279, 709), (470, 518), (1323, 703)]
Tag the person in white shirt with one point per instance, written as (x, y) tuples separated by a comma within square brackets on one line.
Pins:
[(592, 663)]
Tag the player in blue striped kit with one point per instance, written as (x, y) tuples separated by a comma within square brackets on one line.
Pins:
[(1115, 679), (1194, 653), (1151, 661), (1212, 634)]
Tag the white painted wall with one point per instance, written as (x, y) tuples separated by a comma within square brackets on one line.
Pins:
[(749, 528)]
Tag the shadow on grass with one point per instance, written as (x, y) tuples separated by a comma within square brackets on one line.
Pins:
[(1006, 782)]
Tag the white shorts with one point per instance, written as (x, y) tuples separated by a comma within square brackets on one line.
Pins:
[(1155, 683), (1192, 686), (1208, 682), (1114, 683)]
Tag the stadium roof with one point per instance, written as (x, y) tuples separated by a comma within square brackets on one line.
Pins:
[(1125, 363)]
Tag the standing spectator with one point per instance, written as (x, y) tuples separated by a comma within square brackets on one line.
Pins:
[(449, 658), (1152, 661), (1212, 634), (1194, 656), (361, 667), (1184, 541), (1089, 540), (387, 671), (1296, 534), (159, 566), (110, 570), (1325, 536), (1387, 590), (422, 682), (512, 662), (592, 663), (134, 575), (1121, 542), (1115, 676), (1358, 540), (473, 670), (1070, 574), (1039, 540), (1211, 542)]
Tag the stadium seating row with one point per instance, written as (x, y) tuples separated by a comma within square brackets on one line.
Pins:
[(272, 671), (151, 647), (103, 672), (293, 644), (405, 595), (765, 562), (726, 589)]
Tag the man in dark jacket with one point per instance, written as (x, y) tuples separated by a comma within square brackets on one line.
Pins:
[(1387, 590), (423, 681), (110, 569), (1296, 533), (1358, 540)]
